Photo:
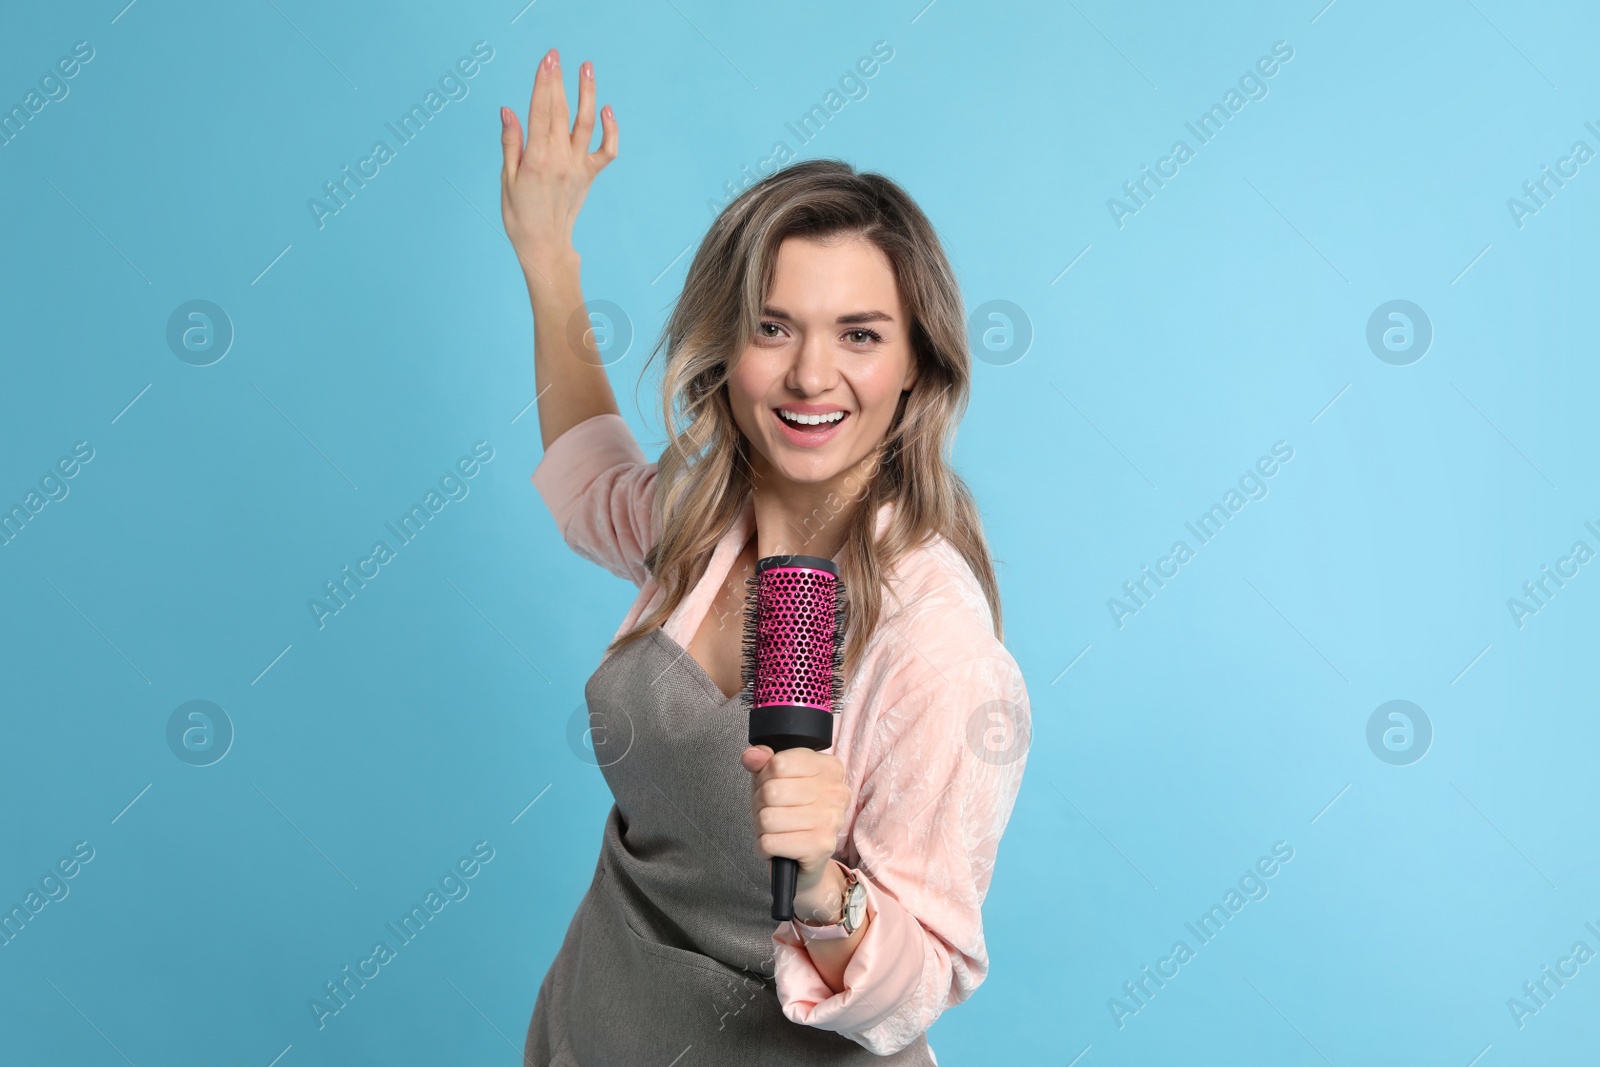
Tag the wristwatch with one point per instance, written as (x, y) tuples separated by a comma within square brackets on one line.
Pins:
[(853, 910)]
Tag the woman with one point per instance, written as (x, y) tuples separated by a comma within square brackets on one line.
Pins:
[(816, 369)]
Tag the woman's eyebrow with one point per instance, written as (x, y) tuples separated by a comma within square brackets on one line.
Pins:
[(852, 319)]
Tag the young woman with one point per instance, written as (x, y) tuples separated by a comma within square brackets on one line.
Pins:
[(816, 369)]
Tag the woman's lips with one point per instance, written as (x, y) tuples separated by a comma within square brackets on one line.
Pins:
[(808, 438)]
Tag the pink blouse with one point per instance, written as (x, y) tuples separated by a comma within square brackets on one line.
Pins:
[(933, 733)]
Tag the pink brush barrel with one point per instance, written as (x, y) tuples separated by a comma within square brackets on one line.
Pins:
[(793, 656)]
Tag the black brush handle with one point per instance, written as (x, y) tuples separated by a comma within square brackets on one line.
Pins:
[(780, 727), (785, 876)]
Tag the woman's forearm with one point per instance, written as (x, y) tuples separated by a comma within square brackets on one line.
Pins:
[(833, 955), (569, 380), (543, 183)]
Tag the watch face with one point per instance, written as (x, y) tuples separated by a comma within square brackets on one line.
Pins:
[(855, 908)]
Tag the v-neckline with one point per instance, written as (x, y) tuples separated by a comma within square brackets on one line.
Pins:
[(679, 653), (729, 547)]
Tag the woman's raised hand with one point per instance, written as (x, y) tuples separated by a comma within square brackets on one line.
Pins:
[(544, 181)]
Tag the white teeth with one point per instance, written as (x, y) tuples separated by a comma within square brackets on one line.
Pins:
[(811, 420)]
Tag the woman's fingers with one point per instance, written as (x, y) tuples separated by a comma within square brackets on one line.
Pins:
[(826, 790), (783, 793), (608, 140), (801, 763), (560, 120), (583, 128), (789, 821), (548, 115), (539, 105), (815, 845), (510, 141)]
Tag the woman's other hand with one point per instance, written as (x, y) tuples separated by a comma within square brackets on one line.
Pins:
[(544, 181)]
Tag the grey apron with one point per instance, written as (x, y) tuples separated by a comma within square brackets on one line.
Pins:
[(668, 961)]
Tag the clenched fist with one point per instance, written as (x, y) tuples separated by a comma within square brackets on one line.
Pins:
[(799, 802)]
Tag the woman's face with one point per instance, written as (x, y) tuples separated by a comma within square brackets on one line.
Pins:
[(833, 337)]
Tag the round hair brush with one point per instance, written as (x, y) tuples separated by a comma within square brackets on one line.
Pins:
[(792, 672)]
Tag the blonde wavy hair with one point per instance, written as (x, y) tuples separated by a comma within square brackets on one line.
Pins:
[(703, 478)]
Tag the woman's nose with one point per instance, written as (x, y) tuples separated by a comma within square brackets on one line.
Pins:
[(813, 370)]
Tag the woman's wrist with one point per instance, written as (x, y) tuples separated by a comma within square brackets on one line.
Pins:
[(831, 956), (544, 271), (823, 903)]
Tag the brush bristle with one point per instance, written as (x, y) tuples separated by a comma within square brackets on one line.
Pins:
[(841, 618), (747, 661)]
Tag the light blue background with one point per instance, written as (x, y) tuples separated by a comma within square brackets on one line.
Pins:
[(1228, 314)]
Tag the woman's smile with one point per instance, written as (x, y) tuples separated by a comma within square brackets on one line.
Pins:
[(810, 425)]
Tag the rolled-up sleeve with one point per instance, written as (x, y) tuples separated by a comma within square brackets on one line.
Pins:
[(601, 493), (946, 769)]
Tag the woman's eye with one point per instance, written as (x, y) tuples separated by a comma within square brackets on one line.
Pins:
[(860, 336)]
